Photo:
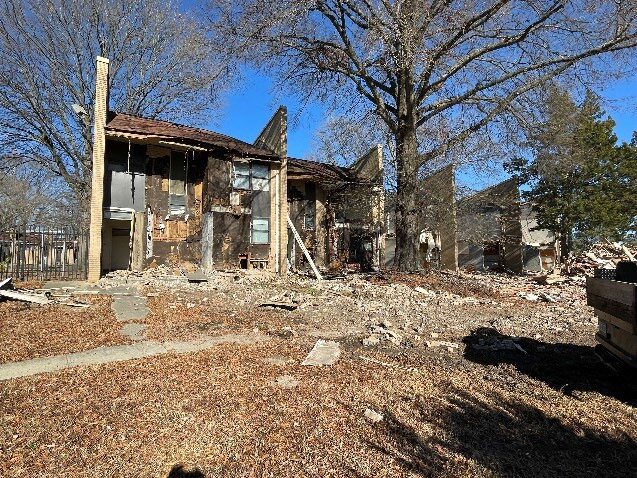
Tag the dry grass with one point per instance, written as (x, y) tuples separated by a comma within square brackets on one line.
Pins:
[(220, 410), (29, 284), (30, 331), (175, 316)]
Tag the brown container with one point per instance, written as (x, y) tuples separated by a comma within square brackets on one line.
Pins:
[(615, 306)]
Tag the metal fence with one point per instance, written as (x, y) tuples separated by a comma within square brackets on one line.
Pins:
[(43, 253)]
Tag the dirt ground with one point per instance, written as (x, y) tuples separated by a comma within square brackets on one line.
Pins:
[(474, 375)]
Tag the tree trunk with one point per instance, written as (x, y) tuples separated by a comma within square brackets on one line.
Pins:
[(407, 234), (565, 245)]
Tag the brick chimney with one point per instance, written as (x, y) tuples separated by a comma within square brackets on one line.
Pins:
[(97, 185)]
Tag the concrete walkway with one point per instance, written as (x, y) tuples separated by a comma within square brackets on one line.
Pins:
[(119, 353), (130, 309)]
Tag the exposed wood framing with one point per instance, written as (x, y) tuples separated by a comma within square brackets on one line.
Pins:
[(304, 249)]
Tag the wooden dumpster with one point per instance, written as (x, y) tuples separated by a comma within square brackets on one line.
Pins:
[(615, 306)]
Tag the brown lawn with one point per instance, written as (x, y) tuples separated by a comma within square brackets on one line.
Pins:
[(31, 331), (220, 410)]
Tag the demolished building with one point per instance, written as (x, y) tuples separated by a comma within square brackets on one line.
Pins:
[(489, 230), (164, 193)]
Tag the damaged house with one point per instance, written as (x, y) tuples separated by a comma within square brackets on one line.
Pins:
[(164, 193), (338, 212), (498, 231), (491, 229)]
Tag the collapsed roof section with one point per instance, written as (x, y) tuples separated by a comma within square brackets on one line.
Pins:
[(366, 170), (321, 172), (139, 128)]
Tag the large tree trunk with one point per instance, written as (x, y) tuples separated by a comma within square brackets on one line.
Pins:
[(407, 234)]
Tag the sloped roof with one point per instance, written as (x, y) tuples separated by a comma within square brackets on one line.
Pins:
[(319, 171), (126, 123)]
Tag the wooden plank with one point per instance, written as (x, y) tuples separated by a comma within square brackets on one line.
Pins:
[(36, 299), (624, 341), (616, 321), (6, 283), (622, 292), (617, 352), (304, 249), (137, 256), (618, 309), (206, 242)]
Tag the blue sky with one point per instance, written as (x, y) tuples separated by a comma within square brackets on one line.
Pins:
[(250, 105)]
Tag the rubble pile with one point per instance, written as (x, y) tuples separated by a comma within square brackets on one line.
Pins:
[(600, 256), (426, 311)]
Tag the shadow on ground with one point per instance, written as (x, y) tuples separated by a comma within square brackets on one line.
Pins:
[(182, 471), (564, 367), (471, 436)]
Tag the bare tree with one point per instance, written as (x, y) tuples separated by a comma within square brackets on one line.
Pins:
[(31, 196), (342, 140), (452, 68), (162, 66)]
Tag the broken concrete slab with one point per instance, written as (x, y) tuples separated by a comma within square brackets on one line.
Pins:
[(119, 353), (373, 416), (286, 381), (134, 331), (129, 308), (324, 352)]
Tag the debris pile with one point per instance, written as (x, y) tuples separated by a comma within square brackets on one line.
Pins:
[(600, 256), (382, 332), (491, 340), (40, 297)]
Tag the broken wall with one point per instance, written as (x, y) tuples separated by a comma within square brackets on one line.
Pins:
[(275, 138), (490, 219), (359, 211), (235, 214), (174, 221), (306, 208), (438, 213)]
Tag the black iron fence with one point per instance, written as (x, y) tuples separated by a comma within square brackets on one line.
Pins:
[(43, 253)]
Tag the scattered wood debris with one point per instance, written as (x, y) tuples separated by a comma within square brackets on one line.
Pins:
[(280, 305), (602, 255), (25, 297), (42, 297)]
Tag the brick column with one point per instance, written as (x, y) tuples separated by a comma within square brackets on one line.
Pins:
[(97, 184), (283, 193)]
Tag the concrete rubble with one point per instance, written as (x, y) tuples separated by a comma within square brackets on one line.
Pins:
[(430, 312), (602, 255), (373, 416), (324, 352), (40, 296)]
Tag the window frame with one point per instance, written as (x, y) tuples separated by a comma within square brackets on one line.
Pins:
[(252, 230), (236, 176)]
